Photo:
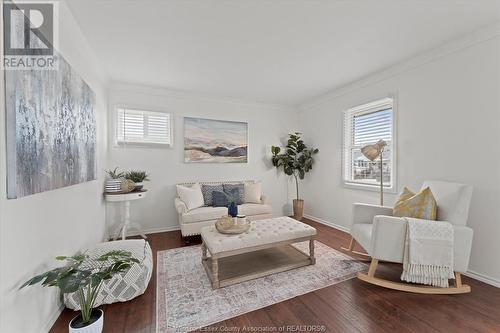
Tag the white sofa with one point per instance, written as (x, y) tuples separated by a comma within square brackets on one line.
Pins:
[(191, 221)]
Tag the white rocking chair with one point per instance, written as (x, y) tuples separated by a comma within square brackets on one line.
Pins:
[(383, 236)]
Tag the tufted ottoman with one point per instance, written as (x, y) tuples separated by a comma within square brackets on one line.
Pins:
[(122, 287), (266, 248)]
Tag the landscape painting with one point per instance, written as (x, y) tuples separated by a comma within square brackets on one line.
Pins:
[(51, 130), (216, 141)]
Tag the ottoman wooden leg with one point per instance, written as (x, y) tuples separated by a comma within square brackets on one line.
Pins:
[(311, 251), (203, 252), (215, 273)]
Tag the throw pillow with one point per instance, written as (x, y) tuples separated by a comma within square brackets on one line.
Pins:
[(219, 199), (191, 196), (421, 205), (253, 192), (404, 195), (207, 192), (241, 191), (233, 195)]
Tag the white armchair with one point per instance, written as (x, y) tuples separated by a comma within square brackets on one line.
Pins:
[(383, 236)]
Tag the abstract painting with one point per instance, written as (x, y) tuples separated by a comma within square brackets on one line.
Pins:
[(51, 130), (219, 141)]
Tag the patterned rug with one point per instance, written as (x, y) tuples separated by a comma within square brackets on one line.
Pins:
[(186, 301)]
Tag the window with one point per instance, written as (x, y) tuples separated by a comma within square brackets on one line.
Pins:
[(364, 125), (143, 127)]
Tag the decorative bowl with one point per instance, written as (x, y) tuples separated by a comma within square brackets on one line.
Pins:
[(226, 225)]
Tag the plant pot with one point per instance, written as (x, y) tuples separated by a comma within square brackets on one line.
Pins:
[(113, 185), (138, 186), (298, 209), (95, 326)]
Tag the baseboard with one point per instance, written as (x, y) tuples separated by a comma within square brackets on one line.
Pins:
[(156, 230), (52, 319), (483, 278), (328, 223)]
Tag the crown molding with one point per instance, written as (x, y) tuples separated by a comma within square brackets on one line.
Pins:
[(116, 86), (471, 39)]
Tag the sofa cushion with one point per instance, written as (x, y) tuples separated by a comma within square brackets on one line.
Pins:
[(228, 188), (219, 199), (204, 214), (250, 209), (213, 213), (253, 192), (207, 191), (192, 196)]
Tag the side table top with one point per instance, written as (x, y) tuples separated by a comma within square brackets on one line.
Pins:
[(120, 196)]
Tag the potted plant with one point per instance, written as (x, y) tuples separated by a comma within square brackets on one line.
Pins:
[(138, 177), (296, 161), (114, 181), (85, 275)]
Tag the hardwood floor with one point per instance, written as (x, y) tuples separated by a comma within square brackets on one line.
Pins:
[(350, 306)]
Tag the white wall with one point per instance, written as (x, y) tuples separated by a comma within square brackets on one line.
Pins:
[(448, 128), (267, 125), (36, 228)]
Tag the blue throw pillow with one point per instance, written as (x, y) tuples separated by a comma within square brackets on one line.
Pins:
[(240, 196), (207, 191), (233, 195), (219, 199)]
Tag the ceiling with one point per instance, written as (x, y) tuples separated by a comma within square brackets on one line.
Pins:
[(280, 51)]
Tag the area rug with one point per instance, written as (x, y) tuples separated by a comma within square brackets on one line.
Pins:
[(186, 301)]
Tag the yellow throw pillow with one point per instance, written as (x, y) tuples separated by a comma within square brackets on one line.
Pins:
[(405, 195), (421, 205)]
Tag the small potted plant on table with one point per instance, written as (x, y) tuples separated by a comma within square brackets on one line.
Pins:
[(138, 177), (85, 275), (114, 181)]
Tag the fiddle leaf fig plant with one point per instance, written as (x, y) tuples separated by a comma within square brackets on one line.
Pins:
[(84, 275), (296, 159)]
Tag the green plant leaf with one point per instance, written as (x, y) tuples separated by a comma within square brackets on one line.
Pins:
[(73, 281), (137, 176), (52, 276), (34, 280)]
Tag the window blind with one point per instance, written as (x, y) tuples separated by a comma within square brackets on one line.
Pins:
[(143, 127), (364, 125)]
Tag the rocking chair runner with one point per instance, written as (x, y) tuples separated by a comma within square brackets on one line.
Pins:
[(383, 236)]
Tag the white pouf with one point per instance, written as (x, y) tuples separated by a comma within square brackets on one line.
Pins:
[(121, 287)]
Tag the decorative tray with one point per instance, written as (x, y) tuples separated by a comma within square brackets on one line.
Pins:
[(225, 225)]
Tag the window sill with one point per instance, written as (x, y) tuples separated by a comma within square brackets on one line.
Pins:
[(141, 145), (366, 187)]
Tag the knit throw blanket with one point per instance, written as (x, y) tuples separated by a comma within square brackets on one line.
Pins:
[(428, 255)]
